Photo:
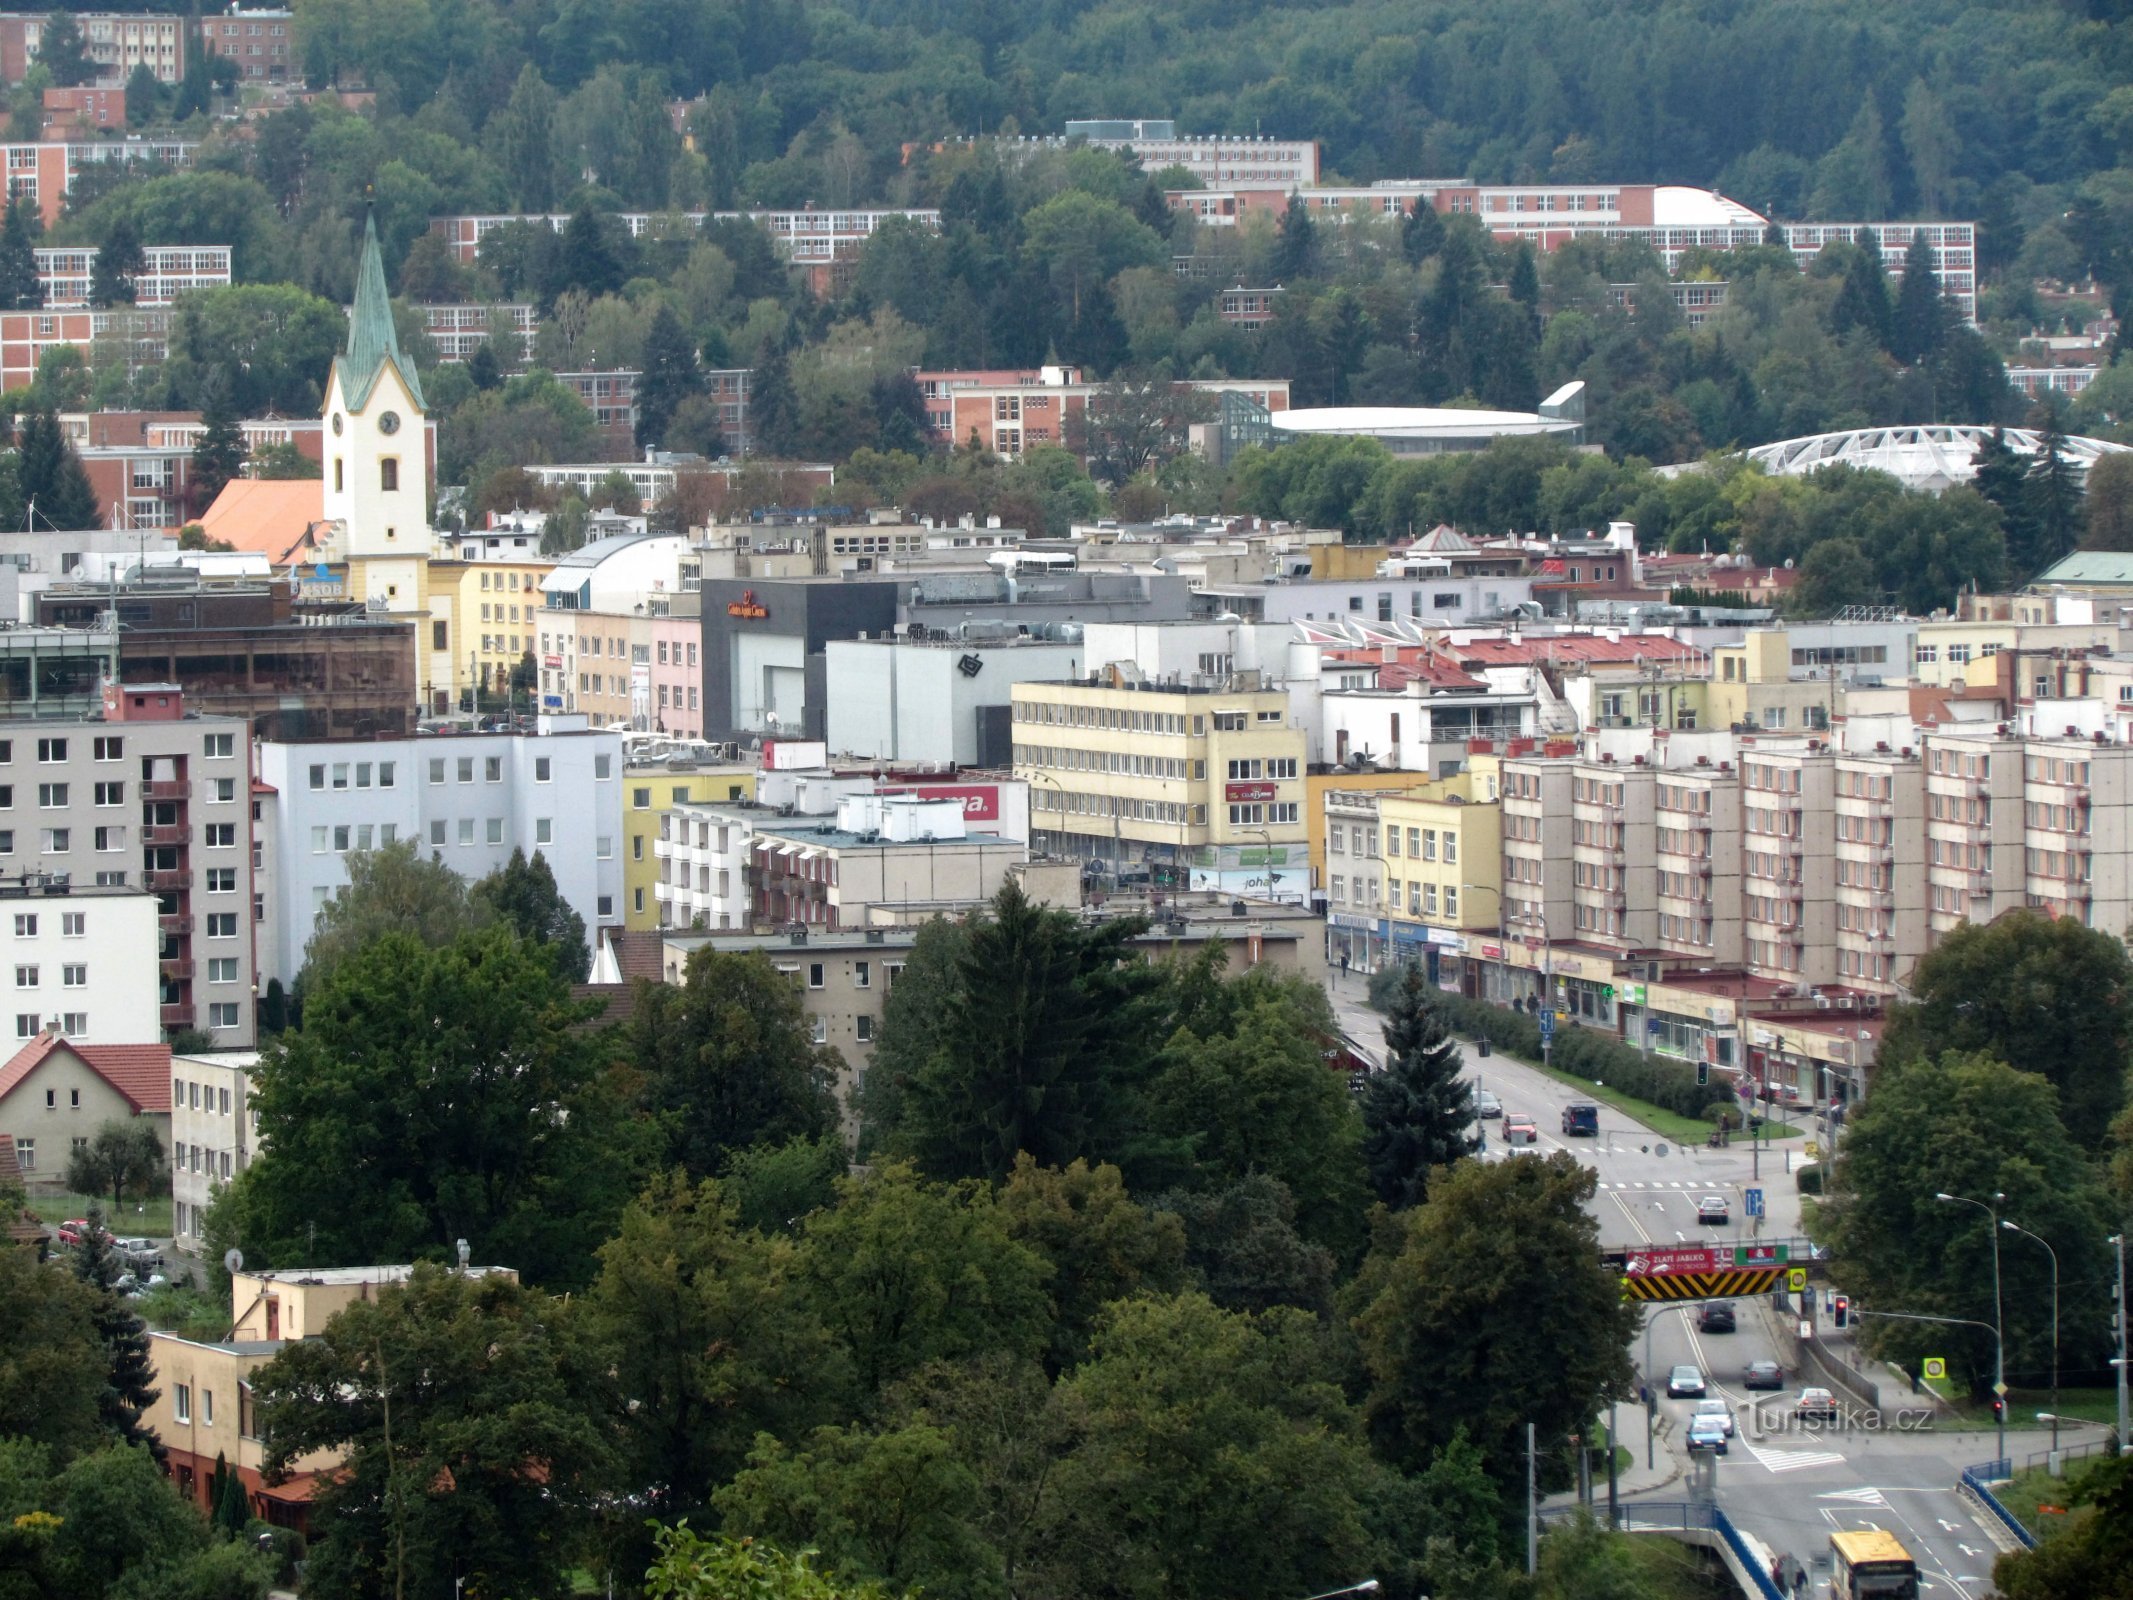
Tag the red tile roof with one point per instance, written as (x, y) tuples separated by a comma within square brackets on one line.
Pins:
[(1593, 649), (140, 1072)]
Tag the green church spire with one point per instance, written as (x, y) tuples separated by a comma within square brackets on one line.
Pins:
[(372, 340)]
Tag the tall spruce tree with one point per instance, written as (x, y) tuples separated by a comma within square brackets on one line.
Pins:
[(773, 407), (54, 485), (1422, 234), (118, 262), (19, 288), (2002, 478), (2054, 495), (1419, 1112), (1863, 299), (670, 376), (129, 1386), (63, 52), (1922, 320), (219, 453)]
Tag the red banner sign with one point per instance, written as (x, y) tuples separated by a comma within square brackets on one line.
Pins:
[(1250, 791), (1657, 1261), (981, 801)]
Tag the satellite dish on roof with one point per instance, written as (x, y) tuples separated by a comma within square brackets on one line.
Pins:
[(233, 1261)]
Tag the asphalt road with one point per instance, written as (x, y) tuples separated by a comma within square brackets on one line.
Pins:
[(1787, 1484)]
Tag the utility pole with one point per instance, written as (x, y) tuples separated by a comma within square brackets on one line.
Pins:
[(1614, 1511)]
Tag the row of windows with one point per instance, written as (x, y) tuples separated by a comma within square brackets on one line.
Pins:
[(72, 975), (107, 841), (112, 747), (72, 924), (1068, 759), (1108, 805), (1280, 811), (1174, 724), (28, 1024), (1264, 767)]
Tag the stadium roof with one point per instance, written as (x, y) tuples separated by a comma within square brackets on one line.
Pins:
[(1925, 457)]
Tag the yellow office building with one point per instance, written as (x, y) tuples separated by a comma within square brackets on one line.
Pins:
[(1201, 782), (1437, 854)]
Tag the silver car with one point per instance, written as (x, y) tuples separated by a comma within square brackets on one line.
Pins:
[(1684, 1382), (1486, 1105), (138, 1253), (1714, 1410)]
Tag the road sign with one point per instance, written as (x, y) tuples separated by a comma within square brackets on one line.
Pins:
[(1547, 1026), (1813, 1150), (1761, 1255), (1752, 1202), (1796, 1279), (1936, 1366), (2000, 1389)]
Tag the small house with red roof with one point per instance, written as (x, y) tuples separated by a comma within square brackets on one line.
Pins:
[(55, 1093)]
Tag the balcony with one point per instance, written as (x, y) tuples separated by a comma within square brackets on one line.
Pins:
[(173, 926), (176, 967), (170, 878), (167, 790), (177, 1016), (166, 833)]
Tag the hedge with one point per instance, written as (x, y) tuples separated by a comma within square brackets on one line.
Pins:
[(1810, 1177), (1583, 1052)]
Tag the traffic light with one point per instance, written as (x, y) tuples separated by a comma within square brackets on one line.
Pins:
[(1703, 1073), (1840, 1309), (1999, 1409)]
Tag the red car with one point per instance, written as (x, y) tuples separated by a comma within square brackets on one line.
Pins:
[(74, 1230)]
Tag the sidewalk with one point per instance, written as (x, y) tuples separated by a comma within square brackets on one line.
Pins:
[(1634, 1479)]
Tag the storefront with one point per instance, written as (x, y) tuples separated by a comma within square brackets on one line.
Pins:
[(1439, 952), (1587, 984), (1354, 943)]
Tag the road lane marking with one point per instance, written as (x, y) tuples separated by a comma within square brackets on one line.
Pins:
[(1795, 1460)]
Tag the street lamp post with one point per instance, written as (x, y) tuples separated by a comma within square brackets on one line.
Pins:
[(1999, 1349), (1999, 1322), (2048, 1250), (2118, 1308)]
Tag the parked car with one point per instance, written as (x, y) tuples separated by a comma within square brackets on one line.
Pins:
[(1519, 1128), (73, 1231), (135, 1287), (1763, 1375), (1715, 1316), (1486, 1105), (1817, 1403), (1713, 1210), (1684, 1382), (1713, 1408), (1707, 1433), (1581, 1120), (139, 1253)]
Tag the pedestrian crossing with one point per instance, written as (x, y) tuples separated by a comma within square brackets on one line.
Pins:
[(1868, 1496), (1792, 1460)]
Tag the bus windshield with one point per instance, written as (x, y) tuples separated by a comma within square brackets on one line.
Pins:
[(1868, 1564)]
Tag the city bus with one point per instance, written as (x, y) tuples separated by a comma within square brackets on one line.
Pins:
[(1866, 1562)]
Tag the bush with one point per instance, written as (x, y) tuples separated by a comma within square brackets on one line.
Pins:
[(1810, 1178), (1583, 1052)]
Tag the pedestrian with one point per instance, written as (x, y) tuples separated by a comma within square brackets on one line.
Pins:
[(1344, 964), (1799, 1580)]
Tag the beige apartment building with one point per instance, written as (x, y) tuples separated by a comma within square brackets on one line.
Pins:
[(1788, 905), (1139, 772), (1696, 843), (214, 1133), (1879, 870), (1974, 831)]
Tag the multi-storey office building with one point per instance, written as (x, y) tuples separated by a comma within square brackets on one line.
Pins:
[(76, 959)]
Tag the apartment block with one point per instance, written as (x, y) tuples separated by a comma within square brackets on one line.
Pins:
[(1879, 827), (1136, 771), (76, 959), (133, 338), (44, 172), (1435, 848), (1356, 936), (167, 271), (1696, 839), (1010, 409), (148, 796), (2078, 831), (652, 792), (457, 331), (880, 860), (256, 39), (116, 41), (214, 1133), (1788, 837), (469, 798), (1975, 837)]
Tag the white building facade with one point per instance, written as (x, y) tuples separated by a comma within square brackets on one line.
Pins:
[(80, 960), (469, 799)]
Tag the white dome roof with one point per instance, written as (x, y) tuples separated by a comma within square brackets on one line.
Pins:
[(1929, 457)]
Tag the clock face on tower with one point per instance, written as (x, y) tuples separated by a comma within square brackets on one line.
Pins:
[(389, 422)]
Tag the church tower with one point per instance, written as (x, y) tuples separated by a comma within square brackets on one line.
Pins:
[(377, 475)]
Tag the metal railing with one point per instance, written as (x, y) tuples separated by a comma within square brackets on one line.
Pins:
[(1976, 1478), (1751, 1562)]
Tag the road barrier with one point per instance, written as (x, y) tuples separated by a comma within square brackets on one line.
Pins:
[(1747, 1559), (1975, 1481)]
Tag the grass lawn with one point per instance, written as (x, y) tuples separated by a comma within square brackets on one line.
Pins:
[(1667, 1569), (1667, 1124), (151, 1217), (2030, 1490), (2090, 1405)]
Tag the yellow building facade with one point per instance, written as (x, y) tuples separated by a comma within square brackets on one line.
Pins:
[(649, 793), (1208, 783)]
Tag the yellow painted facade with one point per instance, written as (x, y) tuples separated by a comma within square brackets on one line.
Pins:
[(648, 794), (1441, 856)]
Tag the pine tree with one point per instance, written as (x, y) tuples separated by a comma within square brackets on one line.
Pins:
[(482, 367), (1863, 300), (1296, 242), (1422, 234), (669, 377), (118, 261), (62, 52), (2002, 478), (1921, 320), (144, 97), (1419, 1112), (53, 482), (233, 1510), (2054, 496), (1525, 285), (773, 408), (219, 454), (587, 260), (130, 1388), (19, 288)]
